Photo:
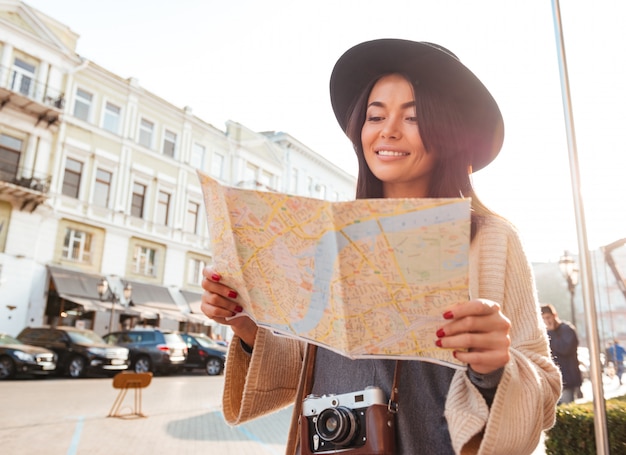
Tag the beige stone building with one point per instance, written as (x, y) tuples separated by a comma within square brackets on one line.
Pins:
[(98, 181)]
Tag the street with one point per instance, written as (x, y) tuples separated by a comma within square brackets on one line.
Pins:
[(60, 416)]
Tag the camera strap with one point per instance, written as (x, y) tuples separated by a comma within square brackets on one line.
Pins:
[(306, 384), (393, 395)]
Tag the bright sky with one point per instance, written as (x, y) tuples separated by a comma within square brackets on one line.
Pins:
[(266, 64)]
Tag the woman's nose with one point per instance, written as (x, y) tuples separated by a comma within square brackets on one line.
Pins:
[(390, 129)]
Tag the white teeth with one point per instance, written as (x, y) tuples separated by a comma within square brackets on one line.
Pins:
[(390, 153)]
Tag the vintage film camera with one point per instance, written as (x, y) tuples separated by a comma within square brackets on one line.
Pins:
[(356, 423)]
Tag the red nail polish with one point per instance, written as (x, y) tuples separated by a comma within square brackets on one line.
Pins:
[(238, 309), (454, 354), (441, 333), (232, 294), (438, 343), (215, 277), (448, 315)]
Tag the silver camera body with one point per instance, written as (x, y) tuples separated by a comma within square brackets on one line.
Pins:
[(342, 422)]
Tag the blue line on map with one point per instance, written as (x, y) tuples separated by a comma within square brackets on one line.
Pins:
[(333, 242)]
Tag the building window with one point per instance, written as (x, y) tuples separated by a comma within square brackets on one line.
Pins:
[(77, 245), (197, 156), (82, 104), (191, 221), (217, 165), (10, 151), (111, 120), (144, 261), (146, 132), (138, 199), (71, 178), (103, 188), (194, 272), (22, 79), (163, 208), (169, 144)]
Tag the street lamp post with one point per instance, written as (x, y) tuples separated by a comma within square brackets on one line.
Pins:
[(569, 269), (103, 286)]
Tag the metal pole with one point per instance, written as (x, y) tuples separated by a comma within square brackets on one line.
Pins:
[(602, 440), (572, 292), (112, 311)]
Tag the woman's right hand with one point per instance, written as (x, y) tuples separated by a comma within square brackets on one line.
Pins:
[(219, 302)]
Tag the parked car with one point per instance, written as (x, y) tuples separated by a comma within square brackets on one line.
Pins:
[(205, 353), (152, 349), (19, 358), (80, 352)]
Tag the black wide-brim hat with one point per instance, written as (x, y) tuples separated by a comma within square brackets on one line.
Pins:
[(427, 65)]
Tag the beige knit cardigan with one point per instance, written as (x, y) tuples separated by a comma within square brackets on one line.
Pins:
[(524, 404)]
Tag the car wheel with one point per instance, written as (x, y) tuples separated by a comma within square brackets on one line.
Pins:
[(76, 367), (7, 367), (143, 365), (213, 367)]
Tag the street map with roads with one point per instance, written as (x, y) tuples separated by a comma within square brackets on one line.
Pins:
[(365, 278)]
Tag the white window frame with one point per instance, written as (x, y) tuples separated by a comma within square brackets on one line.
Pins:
[(192, 217), (75, 172), (144, 260), (85, 103), (144, 199), (164, 208), (100, 184), (194, 272), (77, 245), (170, 140), (217, 164), (23, 72), (146, 135), (111, 120), (198, 155)]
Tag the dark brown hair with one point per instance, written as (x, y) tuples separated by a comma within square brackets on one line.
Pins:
[(443, 133)]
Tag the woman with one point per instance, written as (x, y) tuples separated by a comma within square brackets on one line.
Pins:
[(420, 123)]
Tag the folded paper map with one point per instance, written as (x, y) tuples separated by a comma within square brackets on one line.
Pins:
[(365, 278)]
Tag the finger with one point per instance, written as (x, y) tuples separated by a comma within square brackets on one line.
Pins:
[(215, 304), (476, 342), (476, 307), (484, 362)]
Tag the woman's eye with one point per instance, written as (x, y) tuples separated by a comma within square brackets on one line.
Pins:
[(374, 118)]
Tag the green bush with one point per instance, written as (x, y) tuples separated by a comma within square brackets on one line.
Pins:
[(574, 432)]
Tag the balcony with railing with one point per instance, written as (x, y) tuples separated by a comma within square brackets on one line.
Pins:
[(22, 92), (23, 187)]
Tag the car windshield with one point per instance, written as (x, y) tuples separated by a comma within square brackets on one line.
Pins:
[(206, 342), (8, 339), (85, 337), (173, 338)]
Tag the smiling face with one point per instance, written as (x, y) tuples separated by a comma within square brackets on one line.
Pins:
[(391, 141)]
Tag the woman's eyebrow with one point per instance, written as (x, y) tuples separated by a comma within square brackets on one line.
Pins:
[(406, 105)]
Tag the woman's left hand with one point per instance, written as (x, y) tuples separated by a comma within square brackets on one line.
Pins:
[(479, 333)]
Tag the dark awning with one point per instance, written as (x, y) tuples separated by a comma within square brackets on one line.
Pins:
[(71, 282), (194, 299), (80, 288), (151, 299)]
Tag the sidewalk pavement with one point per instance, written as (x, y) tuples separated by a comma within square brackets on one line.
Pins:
[(69, 417)]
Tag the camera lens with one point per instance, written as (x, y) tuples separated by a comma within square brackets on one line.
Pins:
[(336, 425)]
